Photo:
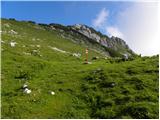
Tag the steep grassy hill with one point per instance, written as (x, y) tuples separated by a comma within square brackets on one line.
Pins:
[(46, 61)]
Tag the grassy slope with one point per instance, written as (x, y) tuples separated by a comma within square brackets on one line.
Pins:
[(82, 91)]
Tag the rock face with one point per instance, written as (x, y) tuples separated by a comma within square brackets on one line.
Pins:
[(113, 42), (80, 33), (83, 29)]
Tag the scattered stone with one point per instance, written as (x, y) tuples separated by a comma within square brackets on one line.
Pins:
[(38, 46), (52, 93), (2, 41), (13, 32), (25, 86), (33, 39), (6, 25), (87, 62), (99, 69), (106, 58), (76, 55), (26, 53), (32, 45), (27, 91), (57, 49), (35, 51), (113, 84), (13, 44)]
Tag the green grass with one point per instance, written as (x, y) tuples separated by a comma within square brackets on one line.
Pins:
[(104, 89)]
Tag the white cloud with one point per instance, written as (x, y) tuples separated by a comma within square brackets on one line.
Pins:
[(101, 18), (101, 23), (140, 27), (113, 31)]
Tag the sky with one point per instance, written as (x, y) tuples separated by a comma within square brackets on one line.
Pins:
[(138, 23)]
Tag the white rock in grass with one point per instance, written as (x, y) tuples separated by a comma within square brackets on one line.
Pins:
[(13, 32), (52, 93), (2, 41), (38, 45), (33, 39), (76, 54), (26, 53), (57, 49), (89, 63), (6, 25), (25, 86), (13, 44), (32, 45), (27, 91)]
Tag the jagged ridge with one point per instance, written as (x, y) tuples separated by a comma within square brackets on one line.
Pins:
[(88, 34)]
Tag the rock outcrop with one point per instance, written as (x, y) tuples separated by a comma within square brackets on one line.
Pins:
[(81, 33)]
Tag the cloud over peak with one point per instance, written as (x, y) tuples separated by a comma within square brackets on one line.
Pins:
[(138, 24), (114, 31), (101, 22), (101, 18)]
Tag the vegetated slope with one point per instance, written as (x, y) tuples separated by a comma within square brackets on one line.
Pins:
[(45, 61)]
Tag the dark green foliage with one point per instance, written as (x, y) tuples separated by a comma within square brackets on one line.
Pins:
[(44, 25), (32, 22), (23, 75), (113, 53), (13, 19), (138, 111)]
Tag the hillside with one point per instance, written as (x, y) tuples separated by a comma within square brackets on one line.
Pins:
[(50, 58)]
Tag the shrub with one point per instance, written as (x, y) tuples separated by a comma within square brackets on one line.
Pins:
[(32, 22), (23, 75), (139, 85), (122, 100), (137, 111), (104, 114), (12, 19), (96, 76)]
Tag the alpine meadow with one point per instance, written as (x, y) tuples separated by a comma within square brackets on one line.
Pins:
[(56, 71), (51, 58)]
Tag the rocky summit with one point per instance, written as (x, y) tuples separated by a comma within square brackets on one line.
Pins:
[(114, 46)]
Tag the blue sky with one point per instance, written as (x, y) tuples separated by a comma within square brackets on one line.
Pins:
[(127, 20), (66, 13)]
